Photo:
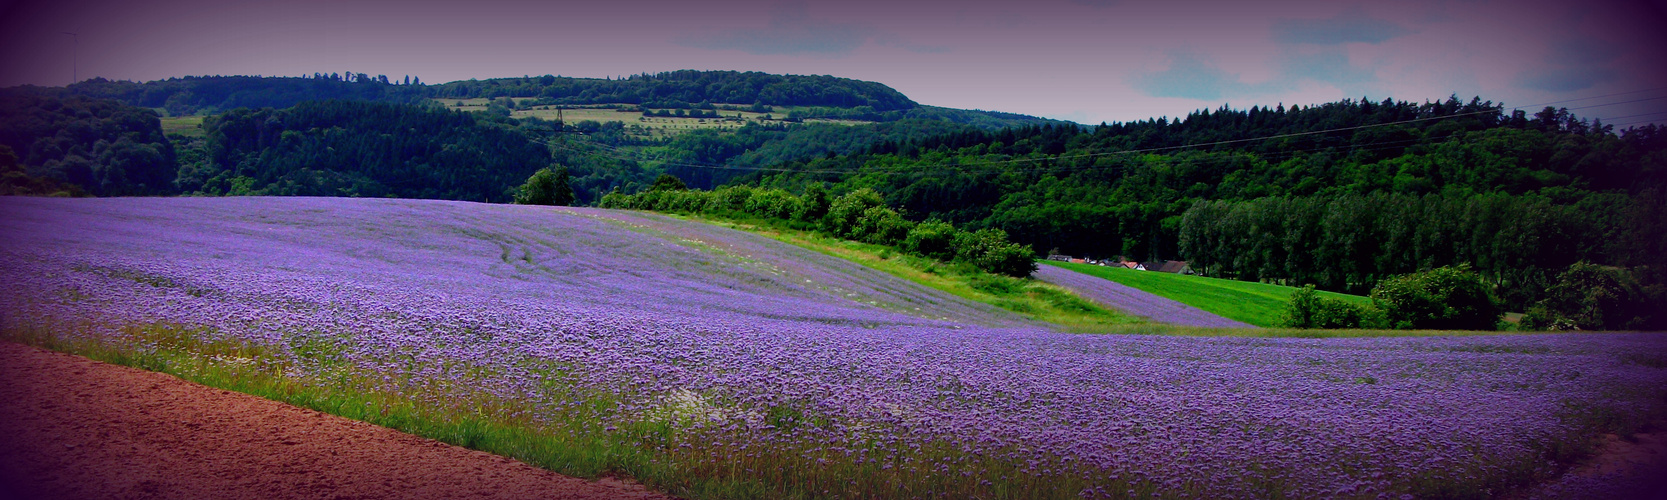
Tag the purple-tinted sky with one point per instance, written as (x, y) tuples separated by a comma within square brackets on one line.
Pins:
[(1082, 60)]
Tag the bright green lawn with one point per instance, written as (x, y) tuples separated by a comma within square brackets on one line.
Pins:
[(1259, 304)]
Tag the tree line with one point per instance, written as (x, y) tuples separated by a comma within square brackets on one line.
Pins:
[(706, 159), (859, 215), (212, 94), (1348, 243), (687, 86), (682, 89), (353, 148), (1520, 196)]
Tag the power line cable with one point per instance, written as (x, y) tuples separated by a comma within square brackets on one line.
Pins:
[(1638, 115), (1593, 97)]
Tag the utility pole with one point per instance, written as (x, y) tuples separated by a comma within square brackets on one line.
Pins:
[(74, 57)]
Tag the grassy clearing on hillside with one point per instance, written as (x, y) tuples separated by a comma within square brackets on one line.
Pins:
[(189, 126), (1259, 304)]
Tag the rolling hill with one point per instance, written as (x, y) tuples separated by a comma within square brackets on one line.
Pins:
[(705, 126), (597, 342)]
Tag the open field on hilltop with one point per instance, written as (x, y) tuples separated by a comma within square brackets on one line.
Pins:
[(713, 363), (189, 126), (1260, 304), (652, 125)]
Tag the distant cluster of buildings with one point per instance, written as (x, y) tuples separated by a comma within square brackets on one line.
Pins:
[(1162, 266)]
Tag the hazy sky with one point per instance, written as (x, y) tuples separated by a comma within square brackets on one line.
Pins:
[(1082, 60)]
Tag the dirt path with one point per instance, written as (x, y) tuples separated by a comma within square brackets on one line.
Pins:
[(75, 428), (1633, 467)]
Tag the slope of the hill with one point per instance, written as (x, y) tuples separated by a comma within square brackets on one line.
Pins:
[(535, 257), (703, 361)]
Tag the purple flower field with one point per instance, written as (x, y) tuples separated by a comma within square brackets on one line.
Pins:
[(735, 354)]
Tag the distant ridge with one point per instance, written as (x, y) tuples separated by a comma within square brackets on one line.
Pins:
[(682, 88)]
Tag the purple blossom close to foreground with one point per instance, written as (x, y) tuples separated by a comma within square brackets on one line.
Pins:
[(1132, 300), (742, 343)]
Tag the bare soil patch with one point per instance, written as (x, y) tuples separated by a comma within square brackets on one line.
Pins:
[(1622, 455), (71, 427)]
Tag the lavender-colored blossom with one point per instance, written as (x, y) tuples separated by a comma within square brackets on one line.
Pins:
[(748, 348)]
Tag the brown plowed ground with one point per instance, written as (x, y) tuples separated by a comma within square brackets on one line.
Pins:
[(71, 427)]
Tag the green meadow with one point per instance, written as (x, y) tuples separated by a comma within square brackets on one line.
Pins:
[(188, 126), (629, 114), (1259, 304)]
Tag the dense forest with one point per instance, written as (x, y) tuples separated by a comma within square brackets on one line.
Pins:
[(51, 143), (1340, 195), (352, 148), (209, 94), (603, 156), (55, 142)]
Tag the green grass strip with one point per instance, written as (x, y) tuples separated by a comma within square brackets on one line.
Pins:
[(1032, 299), (1260, 304)]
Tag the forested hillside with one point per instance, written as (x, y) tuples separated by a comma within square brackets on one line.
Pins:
[(361, 148), (595, 153), (602, 156), (1341, 194), (211, 94), (52, 143), (351, 148), (676, 89), (686, 87)]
